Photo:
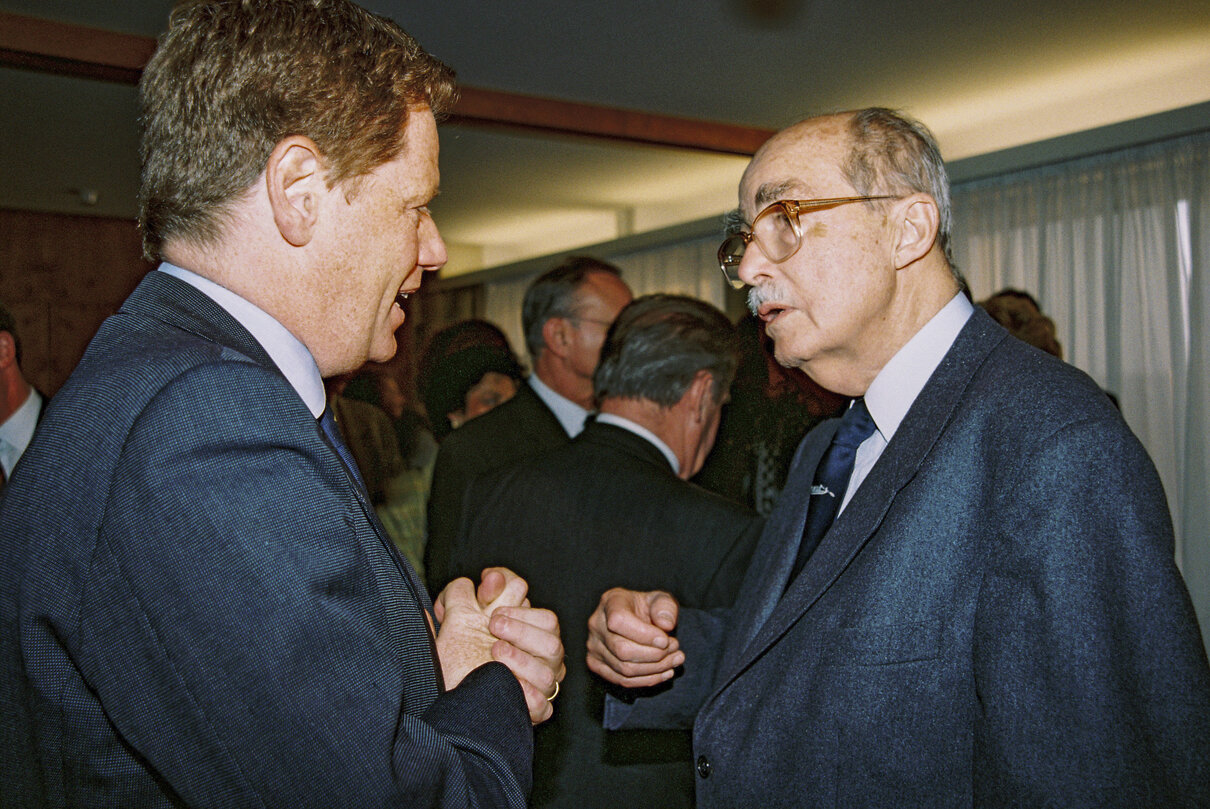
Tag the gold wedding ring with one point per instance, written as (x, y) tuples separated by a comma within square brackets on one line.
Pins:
[(551, 698)]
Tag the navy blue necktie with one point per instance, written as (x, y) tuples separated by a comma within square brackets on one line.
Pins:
[(832, 479), (328, 422)]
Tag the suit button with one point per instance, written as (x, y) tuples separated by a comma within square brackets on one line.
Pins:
[(703, 766)]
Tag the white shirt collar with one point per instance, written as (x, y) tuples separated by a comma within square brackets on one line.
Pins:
[(18, 429), (900, 381), (643, 432), (569, 414), (286, 350)]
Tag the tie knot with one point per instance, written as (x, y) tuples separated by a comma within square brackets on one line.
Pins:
[(856, 425)]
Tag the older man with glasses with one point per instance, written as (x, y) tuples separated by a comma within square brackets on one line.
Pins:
[(966, 594)]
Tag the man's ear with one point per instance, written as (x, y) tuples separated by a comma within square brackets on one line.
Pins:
[(701, 393), (8, 350), (294, 178), (918, 223), (556, 336)]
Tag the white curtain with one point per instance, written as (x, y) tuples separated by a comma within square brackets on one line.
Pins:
[(502, 306), (1117, 250), (689, 268)]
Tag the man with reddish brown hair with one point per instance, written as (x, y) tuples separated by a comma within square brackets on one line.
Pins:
[(198, 606), (200, 157)]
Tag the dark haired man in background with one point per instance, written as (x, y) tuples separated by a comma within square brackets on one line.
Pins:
[(565, 313), (21, 406), (198, 606)]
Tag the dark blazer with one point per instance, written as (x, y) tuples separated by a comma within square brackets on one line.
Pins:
[(196, 608), (520, 427), (994, 620), (602, 511)]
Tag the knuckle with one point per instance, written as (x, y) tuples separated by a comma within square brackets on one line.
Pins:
[(614, 621)]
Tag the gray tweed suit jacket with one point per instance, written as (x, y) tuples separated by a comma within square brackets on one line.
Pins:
[(196, 607), (995, 619)]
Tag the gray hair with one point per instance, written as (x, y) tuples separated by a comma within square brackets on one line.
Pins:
[(893, 153), (658, 345), (553, 294)]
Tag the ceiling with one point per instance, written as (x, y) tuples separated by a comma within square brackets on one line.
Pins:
[(990, 78)]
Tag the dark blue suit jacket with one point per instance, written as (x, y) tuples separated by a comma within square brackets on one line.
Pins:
[(197, 608), (994, 620)]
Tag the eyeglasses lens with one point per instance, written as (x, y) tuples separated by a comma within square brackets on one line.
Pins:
[(775, 234), (729, 255)]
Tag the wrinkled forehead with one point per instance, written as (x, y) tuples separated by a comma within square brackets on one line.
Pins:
[(803, 162)]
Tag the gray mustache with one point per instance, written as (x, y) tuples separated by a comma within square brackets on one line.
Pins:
[(759, 295)]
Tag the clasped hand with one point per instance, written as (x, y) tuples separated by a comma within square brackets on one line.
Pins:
[(629, 640), (496, 622)]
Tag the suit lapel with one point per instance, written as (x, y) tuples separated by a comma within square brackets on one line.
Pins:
[(167, 299), (401, 586), (786, 523), (923, 426), (402, 623)]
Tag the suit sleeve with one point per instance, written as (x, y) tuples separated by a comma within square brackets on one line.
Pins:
[(1091, 678), (674, 705), (243, 637)]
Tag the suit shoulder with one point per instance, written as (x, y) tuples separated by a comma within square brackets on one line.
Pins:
[(520, 427), (1028, 387), (610, 473), (718, 504), (524, 409), (482, 428), (133, 353)]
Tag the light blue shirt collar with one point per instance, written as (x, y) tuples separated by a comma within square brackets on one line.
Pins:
[(900, 381), (642, 432), (18, 429), (286, 350), (569, 414)]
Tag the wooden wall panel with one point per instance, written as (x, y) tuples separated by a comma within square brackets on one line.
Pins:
[(62, 275)]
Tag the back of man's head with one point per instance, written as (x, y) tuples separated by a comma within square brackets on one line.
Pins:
[(230, 79), (9, 324), (553, 294), (659, 344)]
